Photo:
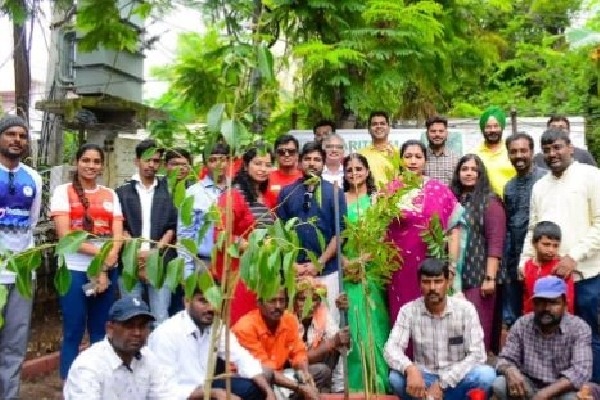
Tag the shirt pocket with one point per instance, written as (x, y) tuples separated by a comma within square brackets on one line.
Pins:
[(456, 348)]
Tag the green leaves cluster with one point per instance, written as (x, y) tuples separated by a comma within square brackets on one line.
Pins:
[(434, 237)]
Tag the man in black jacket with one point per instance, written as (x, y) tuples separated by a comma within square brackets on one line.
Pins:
[(149, 214)]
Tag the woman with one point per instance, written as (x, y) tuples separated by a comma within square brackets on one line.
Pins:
[(417, 208), (485, 224), (367, 313), (251, 205), (85, 205)]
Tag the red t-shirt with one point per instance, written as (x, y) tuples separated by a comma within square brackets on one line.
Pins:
[(278, 180), (533, 272)]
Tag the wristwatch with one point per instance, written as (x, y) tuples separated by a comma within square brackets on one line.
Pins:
[(489, 278)]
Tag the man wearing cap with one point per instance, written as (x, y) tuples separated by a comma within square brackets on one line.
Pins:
[(20, 200), (492, 151), (183, 343), (548, 353), (120, 367)]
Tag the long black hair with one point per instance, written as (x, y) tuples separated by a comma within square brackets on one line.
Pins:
[(87, 222), (243, 181), (479, 197), (370, 182)]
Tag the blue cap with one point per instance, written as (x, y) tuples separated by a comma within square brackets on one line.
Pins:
[(128, 307), (549, 287)]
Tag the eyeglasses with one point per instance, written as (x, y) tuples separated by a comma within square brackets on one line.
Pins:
[(307, 201), (286, 152), (334, 147), (12, 189)]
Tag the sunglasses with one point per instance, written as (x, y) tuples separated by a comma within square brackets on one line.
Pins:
[(307, 201), (12, 189), (286, 152)]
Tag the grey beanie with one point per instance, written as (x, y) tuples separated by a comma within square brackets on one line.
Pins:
[(12, 120)]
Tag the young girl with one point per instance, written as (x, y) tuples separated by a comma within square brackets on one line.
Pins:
[(85, 205)]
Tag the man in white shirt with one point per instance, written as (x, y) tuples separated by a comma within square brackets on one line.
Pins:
[(120, 367), (183, 343), (449, 353), (333, 171), (570, 197)]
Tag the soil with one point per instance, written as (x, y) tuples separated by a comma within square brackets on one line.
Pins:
[(48, 387)]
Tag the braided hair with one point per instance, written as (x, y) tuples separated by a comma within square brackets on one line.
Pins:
[(87, 222)]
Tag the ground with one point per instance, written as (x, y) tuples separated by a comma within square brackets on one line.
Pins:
[(45, 388)]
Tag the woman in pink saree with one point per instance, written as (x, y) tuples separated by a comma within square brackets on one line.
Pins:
[(417, 208)]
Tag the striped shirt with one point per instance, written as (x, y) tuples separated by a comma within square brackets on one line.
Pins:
[(262, 215), (544, 359), (449, 345)]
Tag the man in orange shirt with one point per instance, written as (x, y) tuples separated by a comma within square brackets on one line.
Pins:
[(287, 172), (271, 334)]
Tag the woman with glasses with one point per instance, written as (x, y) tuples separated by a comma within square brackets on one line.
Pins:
[(417, 209), (85, 205), (251, 203), (367, 313)]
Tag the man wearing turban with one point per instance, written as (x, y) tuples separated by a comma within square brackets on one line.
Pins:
[(492, 151)]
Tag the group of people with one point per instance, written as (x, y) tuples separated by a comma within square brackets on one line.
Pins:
[(522, 241)]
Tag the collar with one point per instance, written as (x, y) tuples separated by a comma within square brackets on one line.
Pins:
[(138, 181), (566, 172), (262, 328), (112, 357), (188, 326), (444, 152), (339, 171), (501, 149), (18, 167), (447, 311), (535, 171), (562, 327), (389, 149)]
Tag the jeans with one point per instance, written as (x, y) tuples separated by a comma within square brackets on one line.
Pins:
[(80, 312), (512, 302), (241, 387), (501, 392), (481, 376), (158, 299), (587, 307)]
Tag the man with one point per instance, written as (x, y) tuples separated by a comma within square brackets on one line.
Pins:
[(271, 334), (286, 152), (181, 160), (517, 195), (449, 353), (441, 161), (569, 196), (492, 151), (322, 336), (205, 194), (183, 343), (322, 129), (381, 152), (333, 171), (299, 200), (580, 155), (548, 352), (120, 366), (149, 214), (20, 202)]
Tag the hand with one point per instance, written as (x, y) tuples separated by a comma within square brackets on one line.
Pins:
[(541, 396), (565, 267), (342, 302), (435, 391), (111, 259), (270, 395), (342, 338), (415, 384), (305, 269), (143, 256), (221, 394), (142, 275), (102, 283), (515, 383), (308, 392), (488, 288)]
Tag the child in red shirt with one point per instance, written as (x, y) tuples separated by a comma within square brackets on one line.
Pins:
[(546, 242)]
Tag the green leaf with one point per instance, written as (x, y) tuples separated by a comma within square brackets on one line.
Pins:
[(220, 240), (22, 280), (265, 63), (317, 194), (179, 195), (289, 273), (149, 153), (214, 117), (174, 273), (228, 130), (321, 239), (190, 245), (186, 211), (205, 281), (190, 285), (154, 269), (97, 263), (29, 260), (234, 250), (314, 260), (129, 282), (3, 297), (62, 277), (214, 296), (129, 257), (71, 242)]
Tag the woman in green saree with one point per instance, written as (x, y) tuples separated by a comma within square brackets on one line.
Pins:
[(368, 317)]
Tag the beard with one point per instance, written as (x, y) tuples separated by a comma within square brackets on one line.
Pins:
[(493, 137), (545, 319), (12, 156)]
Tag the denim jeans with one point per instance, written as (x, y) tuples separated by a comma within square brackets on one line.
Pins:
[(481, 376), (80, 312), (158, 299), (241, 387), (512, 302), (587, 307)]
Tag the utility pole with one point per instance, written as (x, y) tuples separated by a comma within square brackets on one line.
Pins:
[(21, 65)]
